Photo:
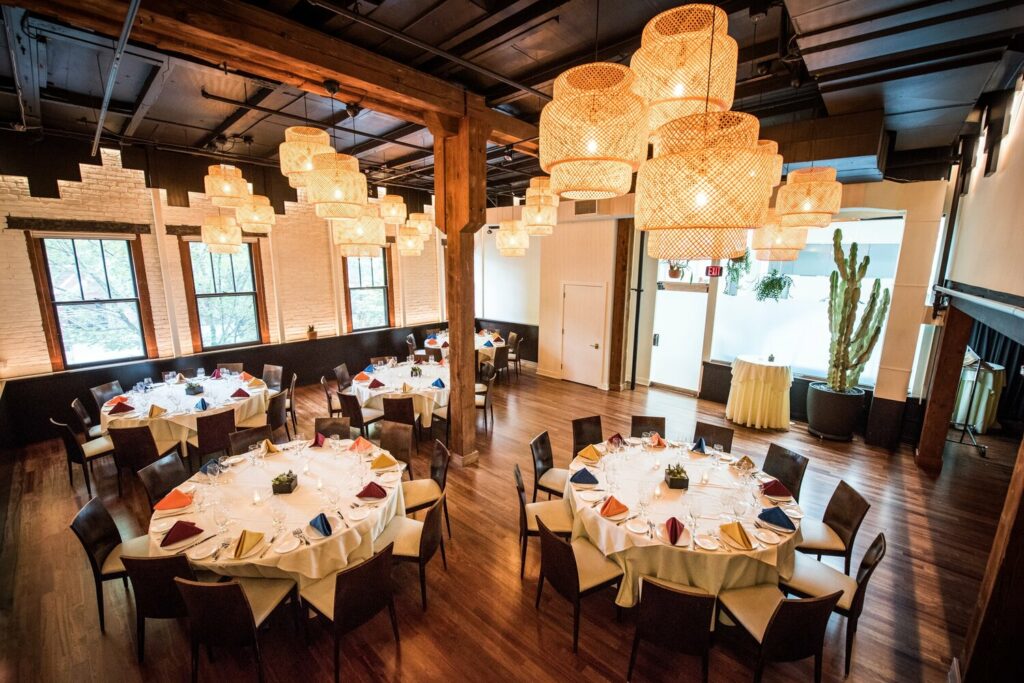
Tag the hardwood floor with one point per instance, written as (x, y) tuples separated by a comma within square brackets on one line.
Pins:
[(481, 623)]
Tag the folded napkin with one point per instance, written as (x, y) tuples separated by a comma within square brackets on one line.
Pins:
[(372, 490), (431, 336), (247, 540), (361, 377), (419, 360), (121, 408), (216, 374), (432, 342), (445, 345), (361, 445), (240, 393), (156, 411), (775, 489), (368, 368), (735, 532), (497, 339), (481, 333), (612, 507), (657, 441), (181, 531), (319, 440), (615, 440), (205, 469), (488, 344), (383, 461), (700, 446), (744, 463), (437, 383), (256, 383), (202, 405), (175, 500), (674, 528), (589, 454), (584, 477), (246, 376), (376, 383), (180, 378), (269, 446), (117, 399), (406, 389), (321, 524), (776, 517)]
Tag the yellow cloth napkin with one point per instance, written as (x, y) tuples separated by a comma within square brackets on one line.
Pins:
[(180, 378), (383, 462), (257, 383), (406, 389), (744, 463), (156, 411), (590, 454), (246, 542), (270, 447), (736, 532)]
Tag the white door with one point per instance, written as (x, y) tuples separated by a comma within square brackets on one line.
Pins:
[(583, 327), (679, 318)]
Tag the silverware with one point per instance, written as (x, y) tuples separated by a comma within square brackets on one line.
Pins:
[(598, 502), (222, 548), (199, 542), (623, 521), (342, 518), (269, 546), (297, 533)]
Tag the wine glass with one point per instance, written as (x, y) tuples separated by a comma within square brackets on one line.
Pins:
[(718, 451), (213, 472), (254, 454), (301, 439), (331, 497), (739, 506), (221, 518), (201, 373), (277, 514), (644, 500)]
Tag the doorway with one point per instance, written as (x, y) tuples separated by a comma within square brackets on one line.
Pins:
[(583, 331), (680, 323)]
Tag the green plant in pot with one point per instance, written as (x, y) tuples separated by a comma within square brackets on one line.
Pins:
[(736, 268), (774, 285), (834, 406), (676, 477)]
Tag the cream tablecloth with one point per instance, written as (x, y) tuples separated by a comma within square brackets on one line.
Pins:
[(981, 414), (483, 353), (305, 564), (759, 394), (711, 504), (425, 397)]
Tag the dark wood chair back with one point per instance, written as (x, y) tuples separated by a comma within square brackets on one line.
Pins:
[(291, 388), (787, 466), (487, 372), (797, 629), (236, 368), (134, 447), (82, 415), (543, 457), (219, 613), (398, 440), (363, 591), (501, 357), (439, 462), (558, 563), (432, 534), (328, 394), (351, 409), (156, 594), (239, 442), (434, 354), (342, 377), (273, 375), (845, 512), (382, 359), (714, 434), (521, 492), (160, 477), (488, 394), (105, 392), (512, 340), (97, 532), (410, 342), (188, 373), (277, 411), (646, 423), (675, 618), (329, 426), (212, 432), (400, 410), (868, 564), (586, 431), (72, 447)]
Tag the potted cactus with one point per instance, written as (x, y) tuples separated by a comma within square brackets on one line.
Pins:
[(834, 406)]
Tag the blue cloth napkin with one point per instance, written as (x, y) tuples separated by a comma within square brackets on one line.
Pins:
[(488, 344), (583, 476), (700, 446), (777, 517), (368, 368), (438, 383), (205, 469), (321, 524), (202, 405), (432, 336)]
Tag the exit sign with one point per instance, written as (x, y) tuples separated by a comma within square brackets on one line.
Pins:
[(713, 271)]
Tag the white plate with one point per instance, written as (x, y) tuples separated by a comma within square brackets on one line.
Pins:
[(336, 526), (792, 513), (616, 518), (159, 526), (358, 514), (683, 540), (591, 496), (706, 542), (767, 536), (204, 550), (636, 526), (187, 487), (162, 514), (371, 501), (780, 499), (726, 457), (576, 465), (234, 460), (583, 487), (287, 545), (390, 476)]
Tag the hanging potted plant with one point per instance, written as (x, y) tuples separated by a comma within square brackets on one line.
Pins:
[(774, 285), (736, 268), (676, 268), (834, 406)]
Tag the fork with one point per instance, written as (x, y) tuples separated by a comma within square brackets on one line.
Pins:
[(297, 533), (222, 548), (596, 503)]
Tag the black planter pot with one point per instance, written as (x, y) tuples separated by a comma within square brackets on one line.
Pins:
[(832, 415)]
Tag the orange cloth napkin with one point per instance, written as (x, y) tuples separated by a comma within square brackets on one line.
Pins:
[(117, 399), (658, 441), (246, 542), (175, 500), (361, 377), (383, 461), (246, 376), (613, 507), (361, 445)]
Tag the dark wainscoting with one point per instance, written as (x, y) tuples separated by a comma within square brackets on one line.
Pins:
[(28, 403), (529, 333)]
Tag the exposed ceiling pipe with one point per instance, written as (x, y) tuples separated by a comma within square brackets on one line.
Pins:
[(398, 35), (8, 16), (108, 90)]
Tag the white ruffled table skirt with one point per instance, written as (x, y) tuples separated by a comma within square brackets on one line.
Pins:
[(759, 393)]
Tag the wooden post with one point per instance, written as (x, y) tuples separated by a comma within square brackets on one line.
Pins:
[(945, 381), (460, 177), (624, 228)]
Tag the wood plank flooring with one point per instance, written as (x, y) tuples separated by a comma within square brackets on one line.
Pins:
[(481, 624)]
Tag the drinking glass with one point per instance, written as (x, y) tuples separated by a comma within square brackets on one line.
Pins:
[(331, 497), (644, 500), (221, 518), (201, 373), (718, 450), (739, 506), (254, 454), (213, 472), (199, 498), (277, 514)]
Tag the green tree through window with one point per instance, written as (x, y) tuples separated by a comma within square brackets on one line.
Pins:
[(225, 296), (367, 291)]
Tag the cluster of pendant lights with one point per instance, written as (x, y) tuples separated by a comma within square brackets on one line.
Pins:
[(228, 189), (539, 218), (710, 179)]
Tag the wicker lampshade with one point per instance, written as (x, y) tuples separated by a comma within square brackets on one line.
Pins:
[(392, 209), (809, 198), (301, 144), (335, 186), (512, 239), (346, 250), (697, 244), (366, 230), (422, 222), (225, 186), (593, 134), (409, 241), (773, 236), (256, 215), (221, 234), (677, 50), (707, 173), (540, 212), (771, 148)]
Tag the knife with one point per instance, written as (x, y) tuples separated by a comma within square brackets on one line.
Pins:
[(269, 546), (189, 547)]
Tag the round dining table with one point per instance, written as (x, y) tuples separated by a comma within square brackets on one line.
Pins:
[(484, 352), (399, 383), (759, 393), (718, 494), (241, 499)]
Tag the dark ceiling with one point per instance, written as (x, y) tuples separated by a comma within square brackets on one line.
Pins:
[(926, 65)]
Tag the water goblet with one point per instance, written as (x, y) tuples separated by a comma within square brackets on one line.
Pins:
[(718, 450), (213, 472), (644, 499), (332, 495), (277, 514), (221, 518), (201, 373), (253, 454)]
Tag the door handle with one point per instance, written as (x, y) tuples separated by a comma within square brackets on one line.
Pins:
[(594, 346)]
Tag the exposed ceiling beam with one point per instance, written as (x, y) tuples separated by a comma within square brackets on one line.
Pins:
[(67, 98), (115, 63), (242, 110), (392, 136), (151, 89), (29, 69)]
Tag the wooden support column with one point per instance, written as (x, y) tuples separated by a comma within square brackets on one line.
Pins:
[(945, 380), (624, 229), (460, 172)]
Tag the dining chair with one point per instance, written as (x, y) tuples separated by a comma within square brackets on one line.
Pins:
[(212, 432), (290, 404), (515, 357), (714, 434), (784, 630), (586, 431), (330, 426), (420, 494), (674, 617), (239, 442), (188, 373), (403, 410), (135, 447), (331, 410), (273, 375), (80, 453), (156, 594), (485, 401), (486, 372), (433, 354), (812, 579), (105, 392), (360, 417), (353, 596), (501, 360), (103, 545), (89, 428), (228, 614), (555, 514), (575, 569), (646, 423), (374, 360), (277, 415), (416, 541), (787, 466), (236, 368), (512, 342), (398, 439), (442, 414), (546, 477), (342, 377), (410, 342), (158, 478), (836, 533)]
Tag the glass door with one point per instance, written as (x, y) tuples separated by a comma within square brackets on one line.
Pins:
[(680, 313)]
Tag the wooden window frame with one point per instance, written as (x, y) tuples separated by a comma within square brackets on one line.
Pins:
[(389, 292)]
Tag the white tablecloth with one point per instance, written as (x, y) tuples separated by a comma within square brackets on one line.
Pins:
[(484, 353), (425, 397), (759, 394), (981, 414), (305, 564), (179, 423), (711, 504)]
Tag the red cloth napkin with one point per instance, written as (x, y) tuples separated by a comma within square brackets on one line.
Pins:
[(445, 345), (613, 507), (372, 490), (776, 489), (361, 445), (615, 439), (181, 531), (674, 528), (658, 441), (240, 393), (121, 408), (246, 376), (361, 377), (174, 500), (216, 374), (319, 440), (376, 383), (117, 399)]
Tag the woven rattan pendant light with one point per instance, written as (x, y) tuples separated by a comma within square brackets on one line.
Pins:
[(225, 186), (776, 243), (423, 223), (367, 229), (301, 144), (335, 186), (221, 234), (678, 48), (771, 148), (256, 215), (392, 209), (697, 244), (409, 241), (809, 198), (512, 239), (540, 211)]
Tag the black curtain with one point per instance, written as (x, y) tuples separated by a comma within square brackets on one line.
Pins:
[(994, 347)]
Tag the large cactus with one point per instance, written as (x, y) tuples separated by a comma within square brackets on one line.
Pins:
[(850, 349)]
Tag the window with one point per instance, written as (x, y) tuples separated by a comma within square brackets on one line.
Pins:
[(95, 300), (366, 281), (225, 297)]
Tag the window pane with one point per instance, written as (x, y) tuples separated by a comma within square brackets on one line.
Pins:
[(102, 331), (91, 269), (369, 308), (60, 257), (378, 271), (243, 270), (202, 269), (227, 320), (353, 272), (119, 269), (223, 275)]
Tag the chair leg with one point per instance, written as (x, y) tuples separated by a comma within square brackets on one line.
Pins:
[(120, 493), (522, 559), (705, 666), (817, 667), (394, 618), (444, 560), (848, 554), (851, 632), (71, 474), (540, 588), (632, 655), (576, 625), (337, 656), (447, 521), (88, 484), (99, 604), (140, 634), (759, 671), (423, 585), (195, 660)]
